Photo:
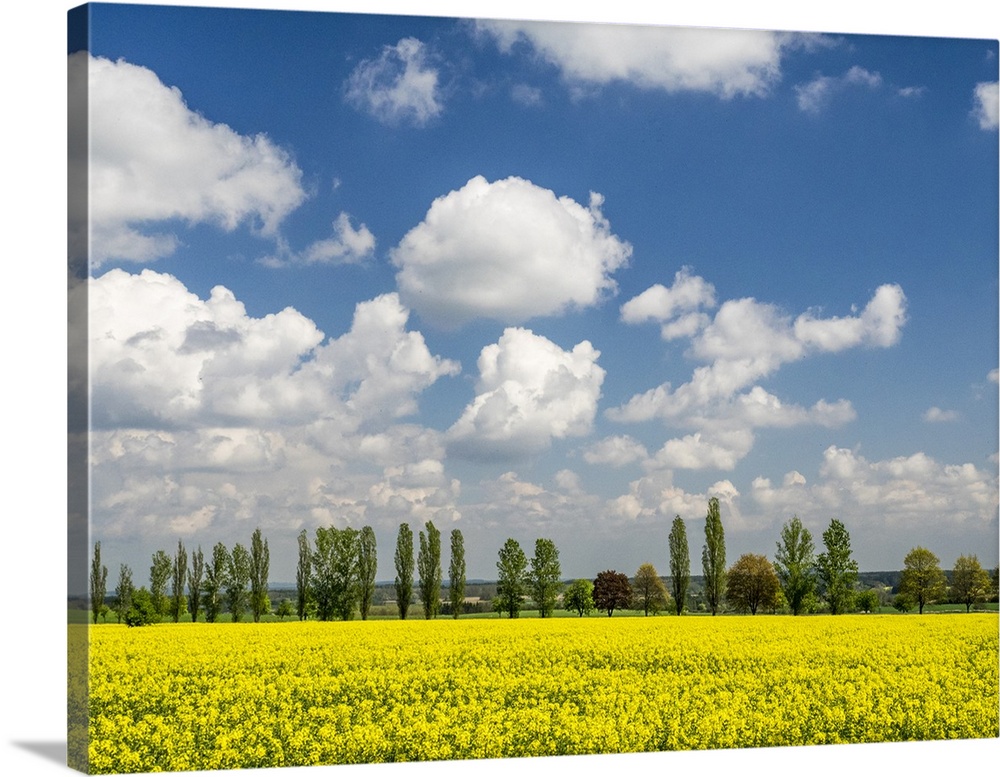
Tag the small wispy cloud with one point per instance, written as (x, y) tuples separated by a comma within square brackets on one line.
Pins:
[(936, 415), (814, 96), (347, 245)]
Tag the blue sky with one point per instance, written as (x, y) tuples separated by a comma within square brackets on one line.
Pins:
[(538, 280)]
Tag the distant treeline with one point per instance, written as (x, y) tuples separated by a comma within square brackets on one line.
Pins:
[(335, 580)]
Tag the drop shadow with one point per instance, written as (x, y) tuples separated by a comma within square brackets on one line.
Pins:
[(50, 751)]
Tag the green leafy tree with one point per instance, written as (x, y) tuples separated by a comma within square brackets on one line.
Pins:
[(195, 576), (838, 572), (649, 591), (995, 579), (680, 564), (752, 585), (902, 603), (512, 578), (544, 576), (123, 592), (868, 601), (159, 574), (612, 591), (142, 611), (260, 569), (429, 570), (404, 569), (216, 582), (579, 596), (98, 582), (303, 577), (367, 569), (970, 583), (335, 572), (713, 557), (794, 564), (456, 573), (922, 579), (285, 609), (238, 579), (178, 602)]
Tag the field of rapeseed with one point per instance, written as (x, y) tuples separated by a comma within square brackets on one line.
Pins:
[(199, 696)]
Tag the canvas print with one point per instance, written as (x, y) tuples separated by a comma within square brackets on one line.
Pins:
[(453, 388)]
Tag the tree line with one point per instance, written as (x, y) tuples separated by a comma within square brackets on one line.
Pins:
[(335, 578)]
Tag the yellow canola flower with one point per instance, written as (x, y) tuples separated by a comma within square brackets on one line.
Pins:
[(180, 697)]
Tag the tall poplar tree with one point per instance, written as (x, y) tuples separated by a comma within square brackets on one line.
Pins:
[(303, 577), (239, 577), (123, 592), (367, 569), (260, 568), (429, 570), (794, 563), (680, 563), (456, 573), (98, 582), (713, 557), (178, 579), (544, 576), (216, 582), (838, 572), (195, 576), (404, 569), (159, 574), (512, 578)]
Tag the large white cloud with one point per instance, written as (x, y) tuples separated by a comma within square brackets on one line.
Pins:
[(749, 340), (746, 341), (507, 250), (986, 99), (727, 63), (208, 420), (397, 86), (530, 392), (161, 357), (153, 159)]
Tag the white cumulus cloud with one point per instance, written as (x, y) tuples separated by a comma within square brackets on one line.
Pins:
[(153, 159), (727, 63), (530, 392), (507, 250), (161, 357), (986, 99), (747, 341), (397, 86)]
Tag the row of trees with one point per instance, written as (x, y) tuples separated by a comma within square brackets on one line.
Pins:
[(799, 576), (335, 577), (235, 581), (336, 573)]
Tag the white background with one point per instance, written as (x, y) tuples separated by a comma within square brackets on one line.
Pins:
[(33, 399)]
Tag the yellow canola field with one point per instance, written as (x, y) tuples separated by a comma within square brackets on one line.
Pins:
[(200, 696)]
